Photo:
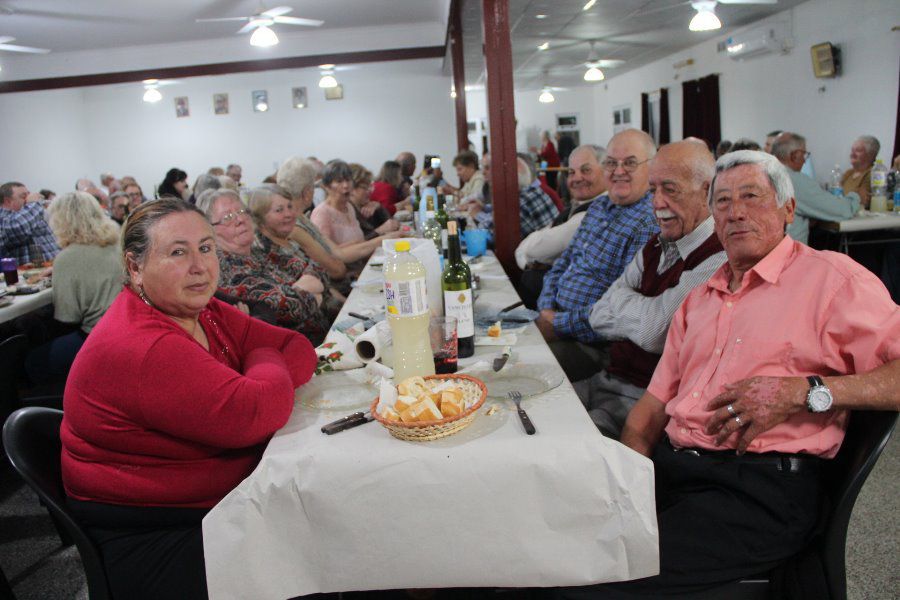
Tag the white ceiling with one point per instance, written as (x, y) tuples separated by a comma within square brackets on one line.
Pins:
[(636, 31)]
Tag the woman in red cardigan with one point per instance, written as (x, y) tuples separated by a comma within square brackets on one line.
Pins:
[(386, 189), (169, 405)]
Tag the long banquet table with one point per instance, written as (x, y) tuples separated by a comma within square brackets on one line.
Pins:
[(486, 507), (865, 222), (22, 305)]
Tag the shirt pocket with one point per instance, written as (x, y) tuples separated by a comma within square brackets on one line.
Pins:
[(752, 356)]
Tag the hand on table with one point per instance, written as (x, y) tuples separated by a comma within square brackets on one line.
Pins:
[(387, 227), (544, 323), (309, 284), (759, 402)]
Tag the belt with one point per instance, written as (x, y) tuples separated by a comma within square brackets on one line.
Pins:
[(790, 463)]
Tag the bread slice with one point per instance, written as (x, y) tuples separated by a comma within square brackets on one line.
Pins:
[(450, 407), (427, 410), (404, 402), (389, 413), (411, 386), (495, 330)]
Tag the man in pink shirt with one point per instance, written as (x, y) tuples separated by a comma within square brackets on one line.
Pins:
[(760, 368)]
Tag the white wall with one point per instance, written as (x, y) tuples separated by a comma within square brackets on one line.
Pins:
[(779, 91), (534, 116), (387, 107), (759, 94)]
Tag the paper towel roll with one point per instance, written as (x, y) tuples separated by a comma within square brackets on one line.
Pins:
[(374, 344)]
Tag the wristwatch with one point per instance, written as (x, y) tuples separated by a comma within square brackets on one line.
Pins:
[(818, 398)]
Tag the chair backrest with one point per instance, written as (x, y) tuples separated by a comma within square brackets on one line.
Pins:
[(867, 434), (12, 365), (31, 438)]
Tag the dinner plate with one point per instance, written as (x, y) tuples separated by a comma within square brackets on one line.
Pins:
[(527, 379), (338, 391)]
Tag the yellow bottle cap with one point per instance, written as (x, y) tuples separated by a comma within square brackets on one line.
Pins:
[(401, 246)]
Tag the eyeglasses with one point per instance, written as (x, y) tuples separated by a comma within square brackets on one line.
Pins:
[(230, 217), (630, 164)]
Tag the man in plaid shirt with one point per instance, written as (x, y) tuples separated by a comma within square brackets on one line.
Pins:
[(536, 208), (24, 232), (613, 230)]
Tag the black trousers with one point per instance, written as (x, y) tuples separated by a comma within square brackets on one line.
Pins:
[(721, 518), (149, 553)]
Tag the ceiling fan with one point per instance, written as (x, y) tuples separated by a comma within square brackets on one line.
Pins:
[(5, 45), (260, 24), (594, 65)]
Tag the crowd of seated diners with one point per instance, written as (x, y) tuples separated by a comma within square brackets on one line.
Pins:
[(182, 324)]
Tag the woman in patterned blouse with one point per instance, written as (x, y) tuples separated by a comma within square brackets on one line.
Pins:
[(294, 287)]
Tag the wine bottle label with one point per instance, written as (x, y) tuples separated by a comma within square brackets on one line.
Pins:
[(444, 240), (459, 304), (405, 298)]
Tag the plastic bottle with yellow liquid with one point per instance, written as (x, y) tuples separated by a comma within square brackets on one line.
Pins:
[(406, 307)]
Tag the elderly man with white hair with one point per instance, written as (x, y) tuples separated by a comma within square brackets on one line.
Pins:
[(751, 397), (858, 178), (536, 209), (812, 201)]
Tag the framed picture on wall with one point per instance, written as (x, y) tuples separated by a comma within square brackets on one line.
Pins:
[(260, 99), (621, 118), (182, 108), (299, 98), (220, 104)]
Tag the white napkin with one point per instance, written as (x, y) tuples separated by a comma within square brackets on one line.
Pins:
[(387, 395)]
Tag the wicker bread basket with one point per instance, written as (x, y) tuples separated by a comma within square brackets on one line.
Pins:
[(474, 392)]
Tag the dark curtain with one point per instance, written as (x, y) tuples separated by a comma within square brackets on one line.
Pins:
[(645, 113), (700, 117), (664, 136)]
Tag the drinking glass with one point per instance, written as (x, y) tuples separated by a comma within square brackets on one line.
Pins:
[(444, 348)]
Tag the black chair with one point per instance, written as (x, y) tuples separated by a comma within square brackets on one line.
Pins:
[(12, 367), (868, 432), (31, 437)]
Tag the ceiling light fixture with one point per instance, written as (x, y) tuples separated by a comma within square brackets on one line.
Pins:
[(594, 74), (542, 16), (544, 46), (705, 19), (262, 106), (328, 80), (151, 94), (590, 4), (263, 37), (453, 91), (546, 97)]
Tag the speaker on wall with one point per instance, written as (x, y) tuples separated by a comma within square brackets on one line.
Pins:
[(826, 60)]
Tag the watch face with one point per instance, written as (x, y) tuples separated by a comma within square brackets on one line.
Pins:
[(819, 399)]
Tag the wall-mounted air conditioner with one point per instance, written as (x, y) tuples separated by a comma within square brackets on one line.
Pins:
[(770, 37)]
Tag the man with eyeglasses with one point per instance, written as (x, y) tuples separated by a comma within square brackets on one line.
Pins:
[(613, 230), (812, 201)]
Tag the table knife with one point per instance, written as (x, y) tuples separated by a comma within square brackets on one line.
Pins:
[(500, 361), (348, 422)]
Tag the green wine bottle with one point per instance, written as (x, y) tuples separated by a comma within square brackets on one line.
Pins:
[(442, 217), (456, 283)]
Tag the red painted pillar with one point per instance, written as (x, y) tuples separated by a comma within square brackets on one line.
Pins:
[(502, 123), (459, 75)]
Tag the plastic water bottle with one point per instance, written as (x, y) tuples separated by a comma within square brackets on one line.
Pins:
[(406, 306), (879, 200), (835, 187)]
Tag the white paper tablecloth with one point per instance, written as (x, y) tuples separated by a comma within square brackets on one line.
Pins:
[(22, 305), (489, 506)]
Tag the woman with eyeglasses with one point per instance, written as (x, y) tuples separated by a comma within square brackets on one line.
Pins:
[(297, 290), (169, 405)]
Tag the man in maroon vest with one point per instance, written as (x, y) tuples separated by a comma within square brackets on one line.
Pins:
[(635, 312)]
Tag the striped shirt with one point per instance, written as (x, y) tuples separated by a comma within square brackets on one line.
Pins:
[(623, 313), (606, 241)]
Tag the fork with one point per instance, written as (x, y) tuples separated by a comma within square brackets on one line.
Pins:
[(523, 416)]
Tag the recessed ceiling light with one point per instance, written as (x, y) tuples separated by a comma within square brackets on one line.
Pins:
[(589, 5), (328, 66), (540, 16), (544, 46), (151, 81)]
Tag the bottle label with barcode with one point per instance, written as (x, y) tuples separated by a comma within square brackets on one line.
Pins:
[(459, 304), (405, 298)]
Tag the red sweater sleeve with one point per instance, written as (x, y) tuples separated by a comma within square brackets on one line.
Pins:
[(296, 350)]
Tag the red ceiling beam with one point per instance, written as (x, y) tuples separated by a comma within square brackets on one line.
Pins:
[(244, 66), (502, 123), (459, 75)]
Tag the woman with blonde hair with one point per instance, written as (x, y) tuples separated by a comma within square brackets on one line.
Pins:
[(87, 276)]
